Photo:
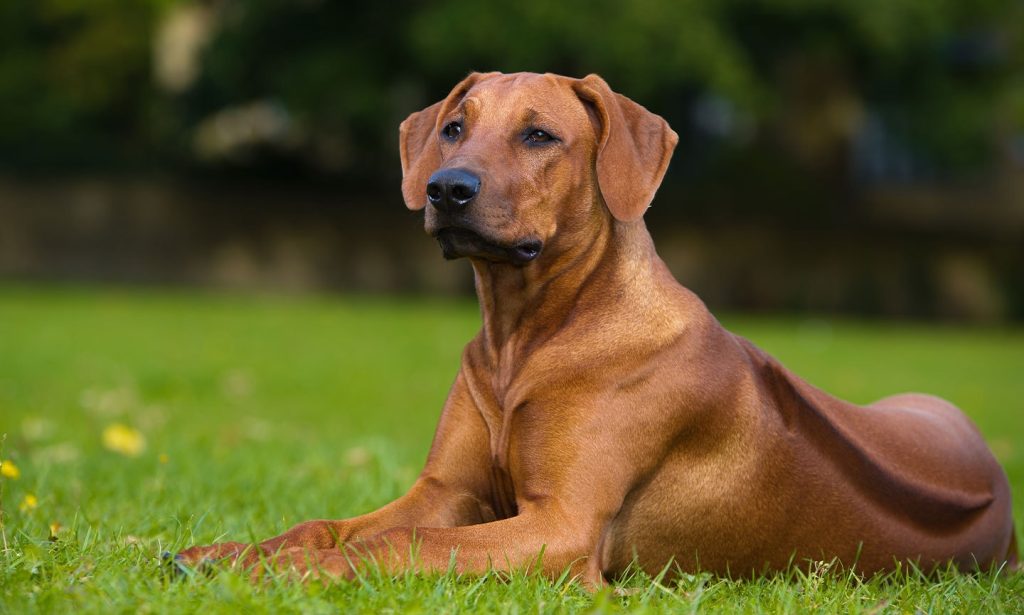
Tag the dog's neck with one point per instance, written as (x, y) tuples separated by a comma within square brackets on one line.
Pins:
[(523, 306)]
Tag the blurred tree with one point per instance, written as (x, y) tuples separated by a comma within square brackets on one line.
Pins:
[(74, 81), (766, 88), (336, 70)]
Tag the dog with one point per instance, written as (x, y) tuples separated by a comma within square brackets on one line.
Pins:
[(602, 416)]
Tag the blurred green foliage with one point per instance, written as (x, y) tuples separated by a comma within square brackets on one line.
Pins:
[(77, 84)]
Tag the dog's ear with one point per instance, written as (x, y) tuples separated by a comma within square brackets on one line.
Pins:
[(418, 144), (633, 148)]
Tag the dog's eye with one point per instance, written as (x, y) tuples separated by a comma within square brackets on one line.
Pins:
[(539, 136), (452, 130)]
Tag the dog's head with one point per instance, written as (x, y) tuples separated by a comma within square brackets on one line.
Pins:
[(506, 163)]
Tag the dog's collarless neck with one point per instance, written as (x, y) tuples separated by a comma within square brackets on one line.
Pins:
[(522, 307)]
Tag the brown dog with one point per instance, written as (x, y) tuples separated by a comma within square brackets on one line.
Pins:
[(602, 414)]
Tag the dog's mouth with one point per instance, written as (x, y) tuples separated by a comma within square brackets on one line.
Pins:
[(457, 242)]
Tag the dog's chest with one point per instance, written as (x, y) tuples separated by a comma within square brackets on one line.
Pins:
[(499, 424), (500, 395), (499, 421), (503, 493)]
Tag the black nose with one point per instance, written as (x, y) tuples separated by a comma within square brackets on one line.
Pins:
[(452, 189)]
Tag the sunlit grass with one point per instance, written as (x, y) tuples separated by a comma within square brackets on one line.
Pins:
[(139, 422)]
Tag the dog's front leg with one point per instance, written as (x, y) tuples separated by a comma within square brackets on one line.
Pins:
[(451, 491), (542, 536)]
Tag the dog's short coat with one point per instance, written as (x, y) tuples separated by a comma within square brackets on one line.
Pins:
[(602, 414)]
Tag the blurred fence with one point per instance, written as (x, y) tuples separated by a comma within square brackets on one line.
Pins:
[(283, 238)]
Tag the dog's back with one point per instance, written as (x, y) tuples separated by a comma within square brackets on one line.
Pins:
[(916, 464)]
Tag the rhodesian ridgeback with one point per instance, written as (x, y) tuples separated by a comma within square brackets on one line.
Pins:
[(602, 416)]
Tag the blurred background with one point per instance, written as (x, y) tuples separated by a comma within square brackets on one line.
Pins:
[(859, 157)]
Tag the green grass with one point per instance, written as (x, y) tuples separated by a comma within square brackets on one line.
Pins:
[(261, 412)]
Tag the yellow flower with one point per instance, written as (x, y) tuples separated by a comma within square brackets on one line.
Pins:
[(9, 470), (55, 528), (164, 458), (29, 503), (124, 440)]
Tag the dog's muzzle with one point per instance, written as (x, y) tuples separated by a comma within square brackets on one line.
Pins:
[(457, 242)]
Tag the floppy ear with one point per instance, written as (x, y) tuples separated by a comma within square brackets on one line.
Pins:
[(633, 148), (418, 145)]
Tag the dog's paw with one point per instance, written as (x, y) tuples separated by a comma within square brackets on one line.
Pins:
[(173, 566), (204, 558)]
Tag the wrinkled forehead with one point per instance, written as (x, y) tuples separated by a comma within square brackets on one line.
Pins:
[(523, 98)]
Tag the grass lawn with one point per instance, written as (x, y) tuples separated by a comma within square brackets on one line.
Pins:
[(146, 421)]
